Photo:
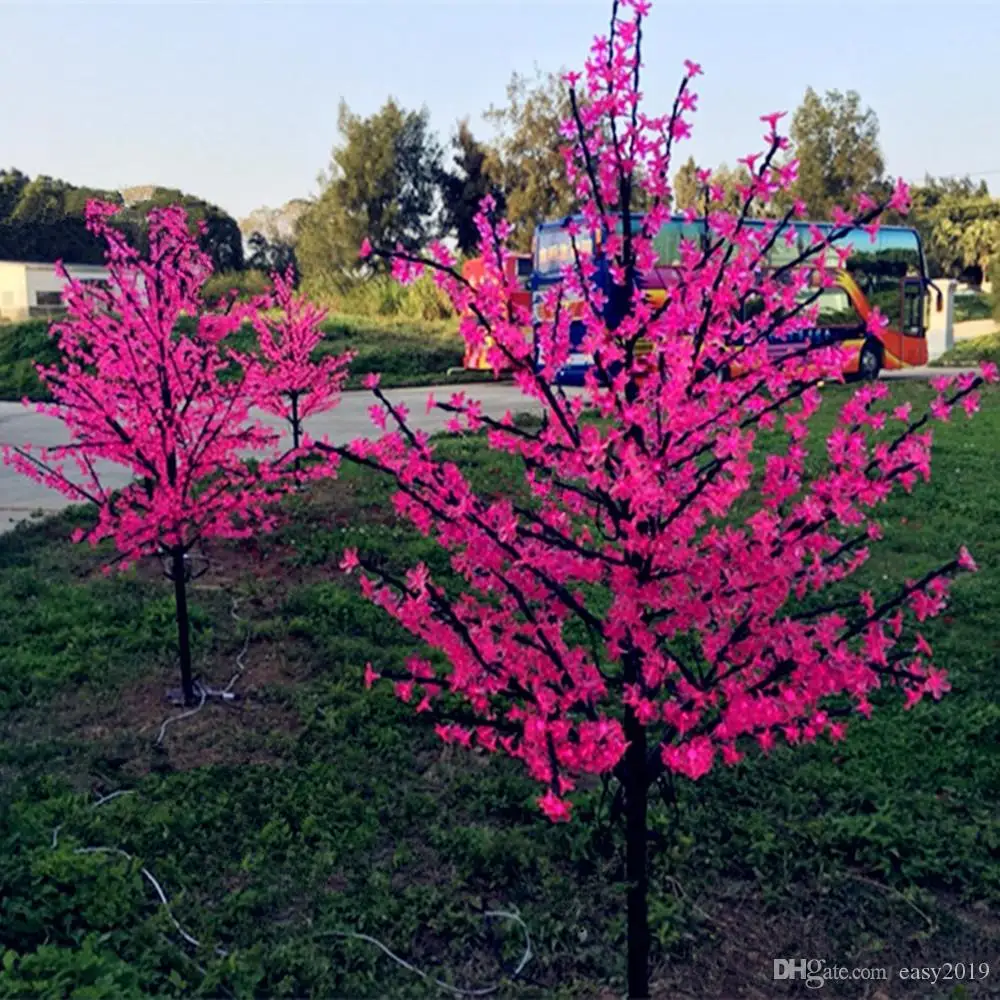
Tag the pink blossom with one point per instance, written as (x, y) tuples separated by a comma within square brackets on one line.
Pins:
[(557, 809), (966, 561), (937, 684), (940, 410), (693, 759), (284, 377), (900, 200)]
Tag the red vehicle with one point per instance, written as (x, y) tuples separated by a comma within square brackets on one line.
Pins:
[(519, 268)]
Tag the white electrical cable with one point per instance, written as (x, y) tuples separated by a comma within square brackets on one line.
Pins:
[(171, 719), (150, 877), (355, 935), (221, 952), (205, 692), (114, 795), (454, 990)]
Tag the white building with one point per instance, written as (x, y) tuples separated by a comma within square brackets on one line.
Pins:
[(28, 290)]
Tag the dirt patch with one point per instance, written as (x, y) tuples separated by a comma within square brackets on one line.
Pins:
[(122, 728), (740, 935), (216, 564), (269, 567)]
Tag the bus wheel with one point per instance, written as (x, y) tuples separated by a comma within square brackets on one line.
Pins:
[(870, 363)]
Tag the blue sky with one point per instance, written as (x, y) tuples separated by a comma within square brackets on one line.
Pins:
[(237, 101)]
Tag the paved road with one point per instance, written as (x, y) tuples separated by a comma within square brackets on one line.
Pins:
[(20, 497), (970, 328)]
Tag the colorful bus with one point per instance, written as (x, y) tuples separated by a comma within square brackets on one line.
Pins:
[(889, 273), (519, 269)]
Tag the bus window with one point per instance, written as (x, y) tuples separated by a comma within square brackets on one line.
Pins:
[(836, 309), (524, 269), (554, 249), (667, 241), (899, 251), (782, 252), (913, 307), (885, 293)]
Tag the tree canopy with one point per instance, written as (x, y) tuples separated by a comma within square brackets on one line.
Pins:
[(463, 188), (959, 222), (836, 141), (42, 219), (526, 157), (271, 256), (688, 192), (382, 183)]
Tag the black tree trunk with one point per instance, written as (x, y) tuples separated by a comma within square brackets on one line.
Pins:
[(636, 870), (179, 576), (296, 431), (296, 424)]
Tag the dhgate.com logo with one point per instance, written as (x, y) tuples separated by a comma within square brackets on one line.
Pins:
[(816, 973)]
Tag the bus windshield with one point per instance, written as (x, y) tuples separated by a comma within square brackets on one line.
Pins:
[(554, 248)]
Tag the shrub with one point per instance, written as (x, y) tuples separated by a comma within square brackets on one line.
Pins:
[(381, 296), (975, 306), (89, 971), (22, 346), (248, 283)]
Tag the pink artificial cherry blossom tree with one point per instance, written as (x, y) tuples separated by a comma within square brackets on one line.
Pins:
[(712, 592), (134, 391), (286, 377)]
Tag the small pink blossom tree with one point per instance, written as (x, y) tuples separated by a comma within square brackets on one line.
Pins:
[(286, 377), (662, 603), (135, 392)]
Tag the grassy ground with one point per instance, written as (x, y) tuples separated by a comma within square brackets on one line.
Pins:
[(310, 807), (975, 306), (973, 350), (407, 352)]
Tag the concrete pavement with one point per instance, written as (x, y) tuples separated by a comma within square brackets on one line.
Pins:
[(20, 498)]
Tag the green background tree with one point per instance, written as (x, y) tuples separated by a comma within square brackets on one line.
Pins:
[(382, 183), (526, 155), (836, 141), (464, 187)]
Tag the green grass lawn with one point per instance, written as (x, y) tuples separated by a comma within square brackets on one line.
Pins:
[(311, 807), (405, 351), (975, 306), (973, 350)]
